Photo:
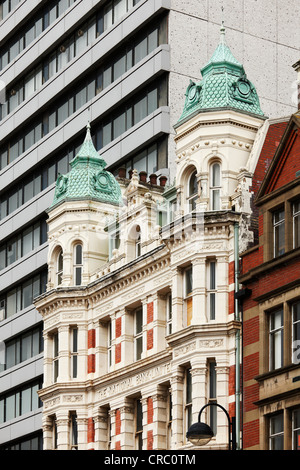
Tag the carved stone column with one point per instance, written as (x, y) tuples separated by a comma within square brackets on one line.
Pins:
[(64, 354), (199, 388), (222, 379), (160, 417), (63, 430), (102, 429), (82, 427), (102, 339), (48, 361), (177, 300), (127, 337), (127, 425), (199, 292), (48, 432), (177, 388), (82, 352)]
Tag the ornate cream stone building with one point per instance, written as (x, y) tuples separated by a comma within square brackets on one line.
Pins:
[(141, 325)]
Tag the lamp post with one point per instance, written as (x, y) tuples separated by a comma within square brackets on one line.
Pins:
[(200, 433)]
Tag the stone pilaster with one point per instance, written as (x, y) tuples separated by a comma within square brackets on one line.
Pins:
[(64, 354), (177, 388), (102, 429), (177, 299)]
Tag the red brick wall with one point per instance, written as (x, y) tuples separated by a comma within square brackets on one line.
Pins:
[(287, 164), (251, 395), (272, 140), (251, 434), (251, 366), (251, 331)]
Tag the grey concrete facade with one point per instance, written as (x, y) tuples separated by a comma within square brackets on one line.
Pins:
[(262, 34)]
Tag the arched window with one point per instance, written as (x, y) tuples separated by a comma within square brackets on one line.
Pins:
[(78, 264), (215, 186), (59, 268), (192, 191)]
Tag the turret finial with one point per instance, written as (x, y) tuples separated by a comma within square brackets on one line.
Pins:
[(222, 30), (88, 132)]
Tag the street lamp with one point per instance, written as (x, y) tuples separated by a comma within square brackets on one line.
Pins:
[(200, 433)]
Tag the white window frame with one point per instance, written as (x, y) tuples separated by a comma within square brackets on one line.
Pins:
[(211, 289), (77, 266), (59, 267), (74, 352), (192, 195), (296, 217), (169, 314), (55, 360), (138, 334), (275, 334), (215, 188), (276, 231)]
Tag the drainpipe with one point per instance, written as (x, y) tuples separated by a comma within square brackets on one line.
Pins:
[(237, 336)]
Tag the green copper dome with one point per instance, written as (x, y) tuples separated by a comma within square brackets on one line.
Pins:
[(88, 179), (224, 85)]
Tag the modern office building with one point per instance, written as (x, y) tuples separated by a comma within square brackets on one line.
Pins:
[(124, 67)]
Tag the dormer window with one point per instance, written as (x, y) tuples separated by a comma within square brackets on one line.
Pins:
[(215, 186), (59, 268), (78, 264)]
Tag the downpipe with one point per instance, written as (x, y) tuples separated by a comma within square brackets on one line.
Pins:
[(237, 338)]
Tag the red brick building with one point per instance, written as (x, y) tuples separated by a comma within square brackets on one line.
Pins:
[(270, 296)]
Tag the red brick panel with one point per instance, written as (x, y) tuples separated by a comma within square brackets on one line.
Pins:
[(231, 269), (149, 339), (91, 363), (149, 410), (231, 409), (231, 302), (251, 434), (150, 308), (91, 338), (231, 386), (118, 327), (91, 430), (118, 353), (118, 445), (118, 422), (150, 440)]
